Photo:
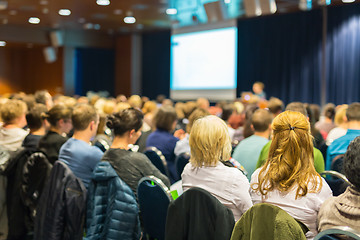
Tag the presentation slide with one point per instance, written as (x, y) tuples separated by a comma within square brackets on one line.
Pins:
[(204, 60)]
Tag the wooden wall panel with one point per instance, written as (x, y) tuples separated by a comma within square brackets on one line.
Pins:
[(123, 65)]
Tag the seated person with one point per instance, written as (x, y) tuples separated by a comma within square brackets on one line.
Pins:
[(210, 144), (288, 179), (182, 146), (165, 121), (343, 210), (12, 134), (340, 145), (248, 150), (37, 126), (59, 118), (341, 123), (130, 166), (319, 162), (77, 152)]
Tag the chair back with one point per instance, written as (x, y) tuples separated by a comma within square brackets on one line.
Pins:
[(340, 232), (196, 214), (154, 198), (265, 221), (181, 161), (158, 159), (336, 181)]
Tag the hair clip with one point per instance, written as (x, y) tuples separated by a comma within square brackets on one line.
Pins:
[(292, 128)]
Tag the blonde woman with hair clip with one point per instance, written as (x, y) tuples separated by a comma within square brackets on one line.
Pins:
[(210, 146), (288, 179)]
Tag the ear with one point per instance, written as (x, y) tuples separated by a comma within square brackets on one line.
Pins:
[(131, 133), (252, 127), (92, 125)]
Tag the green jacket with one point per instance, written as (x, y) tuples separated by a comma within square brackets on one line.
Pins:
[(318, 158), (264, 221)]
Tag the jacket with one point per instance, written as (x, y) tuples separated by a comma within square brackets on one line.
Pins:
[(268, 222), (112, 211), (62, 206), (197, 215)]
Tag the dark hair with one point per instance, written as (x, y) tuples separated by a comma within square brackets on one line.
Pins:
[(351, 166), (329, 111), (82, 116), (297, 107), (315, 108), (34, 117), (57, 112), (261, 119), (227, 111), (165, 118), (124, 121), (41, 96), (353, 112)]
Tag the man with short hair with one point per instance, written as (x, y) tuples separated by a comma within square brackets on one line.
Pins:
[(248, 150), (339, 146), (76, 152)]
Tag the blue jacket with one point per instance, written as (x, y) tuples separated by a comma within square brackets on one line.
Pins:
[(112, 210)]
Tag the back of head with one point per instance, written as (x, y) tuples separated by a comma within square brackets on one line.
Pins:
[(227, 111), (82, 115), (125, 120), (329, 111), (297, 107), (149, 106), (290, 158), (315, 108), (34, 117), (198, 113), (11, 110), (209, 141), (275, 105), (202, 103), (352, 163), (340, 114), (57, 112), (353, 112), (165, 118), (135, 101), (42, 96), (261, 119), (189, 108)]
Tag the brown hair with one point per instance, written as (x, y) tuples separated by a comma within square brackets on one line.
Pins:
[(275, 105), (198, 113), (261, 119), (57, 112), (12, 110), (165, 118), (82, 115), (353, 112), (291, 159)]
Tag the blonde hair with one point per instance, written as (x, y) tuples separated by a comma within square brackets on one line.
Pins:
[(209, 142), (149, 107), (11, 110), (340, 114), (135, 101), (291, 160)]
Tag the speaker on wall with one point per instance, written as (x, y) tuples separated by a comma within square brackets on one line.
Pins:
[(50, 54), (216, 11)]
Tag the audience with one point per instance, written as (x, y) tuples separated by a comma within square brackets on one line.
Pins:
[(76, 152), (288, 179), (275, 106), (341, 123), (37, 125), (340, 145), (59, 118), (205, 170), (344, 210), (327, 123), (165, 121), (248, 151), (130, 166), (318, 157)]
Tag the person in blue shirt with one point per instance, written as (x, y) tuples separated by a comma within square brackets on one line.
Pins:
[(339, 146), (248, 150), (77, 152)]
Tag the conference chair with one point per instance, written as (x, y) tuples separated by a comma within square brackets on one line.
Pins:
[(158, 159), (336, 233), (336, 181), (154, 198), (337, 163), (180, 162), (265, 221), (196, 214)]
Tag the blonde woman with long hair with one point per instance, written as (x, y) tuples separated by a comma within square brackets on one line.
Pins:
[(210, 145), (289, 179)]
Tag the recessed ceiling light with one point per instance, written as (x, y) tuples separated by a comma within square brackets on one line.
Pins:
[(2, 43), (129, 20), (64, 12), (34, 20), (171, 11), (103, 2), (348, 1), (3, 5)]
